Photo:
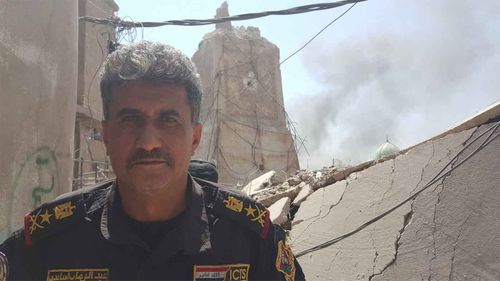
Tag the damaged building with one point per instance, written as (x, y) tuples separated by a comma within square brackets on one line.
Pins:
[(429, 212), (245, 126), (49, 90)]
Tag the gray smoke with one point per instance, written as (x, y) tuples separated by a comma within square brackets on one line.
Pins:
[(408, 85)]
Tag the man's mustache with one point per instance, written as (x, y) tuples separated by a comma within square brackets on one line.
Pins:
[(153, 155)]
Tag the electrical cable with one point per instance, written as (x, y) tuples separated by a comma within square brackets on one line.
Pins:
[(117, 22), (317, 34), (436, 178)]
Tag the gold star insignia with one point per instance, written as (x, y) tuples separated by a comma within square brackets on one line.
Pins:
[(46, 217), (250, 210)]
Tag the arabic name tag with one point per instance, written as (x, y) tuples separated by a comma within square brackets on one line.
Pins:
[(92, 274), (226, 272)]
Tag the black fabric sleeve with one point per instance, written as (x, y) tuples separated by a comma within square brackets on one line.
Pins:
[(276, 260), (21, 261), (13, 261)]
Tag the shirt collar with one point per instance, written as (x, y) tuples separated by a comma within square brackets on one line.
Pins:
[(192, 236)]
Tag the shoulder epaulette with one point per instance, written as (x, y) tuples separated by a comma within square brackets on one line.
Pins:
[(58, 214), (239, 208)]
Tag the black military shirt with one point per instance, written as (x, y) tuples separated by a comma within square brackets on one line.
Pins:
[(86, 235)]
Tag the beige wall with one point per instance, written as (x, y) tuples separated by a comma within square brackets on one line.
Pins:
[(38, 81)]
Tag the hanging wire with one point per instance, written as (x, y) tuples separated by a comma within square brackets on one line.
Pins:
[(117, 22)]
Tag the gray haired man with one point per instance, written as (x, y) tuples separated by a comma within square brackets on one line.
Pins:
[(154, 221)]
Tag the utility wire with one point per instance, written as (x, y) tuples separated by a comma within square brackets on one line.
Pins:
[(317, 34), (436, 178), (117, 22)]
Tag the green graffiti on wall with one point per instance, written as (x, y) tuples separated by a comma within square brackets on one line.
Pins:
[(37, 175), (41, 161)]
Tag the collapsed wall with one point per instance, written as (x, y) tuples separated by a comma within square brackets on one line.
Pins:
[(446, 227), (445, 231), (38, 80)]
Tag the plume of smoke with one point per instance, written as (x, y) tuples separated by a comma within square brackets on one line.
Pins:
[(405, 85)]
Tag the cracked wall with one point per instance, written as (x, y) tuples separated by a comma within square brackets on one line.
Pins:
[(449, 231)]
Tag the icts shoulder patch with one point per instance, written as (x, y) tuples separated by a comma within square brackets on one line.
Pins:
[(4, 267), (244, 210), (51, 217)]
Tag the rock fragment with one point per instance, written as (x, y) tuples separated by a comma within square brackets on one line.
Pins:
[(279, 211)]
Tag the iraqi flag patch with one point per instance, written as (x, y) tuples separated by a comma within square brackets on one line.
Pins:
[(226, 272)]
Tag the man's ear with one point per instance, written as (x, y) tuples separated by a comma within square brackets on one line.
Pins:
[(197, 130)]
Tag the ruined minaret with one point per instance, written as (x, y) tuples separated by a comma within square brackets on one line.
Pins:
[(245, 129)]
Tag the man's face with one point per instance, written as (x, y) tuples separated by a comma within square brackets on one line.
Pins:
[(149, 136)]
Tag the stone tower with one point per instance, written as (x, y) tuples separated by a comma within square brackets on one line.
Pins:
[(245, 128)]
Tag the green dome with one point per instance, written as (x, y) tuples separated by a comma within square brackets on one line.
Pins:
[(386, 149)]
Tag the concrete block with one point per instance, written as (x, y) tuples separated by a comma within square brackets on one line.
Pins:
[(303, 194), (279, 211), (259, 183), (291, 193)]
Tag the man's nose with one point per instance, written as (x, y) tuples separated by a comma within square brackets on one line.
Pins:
[(149, 137)]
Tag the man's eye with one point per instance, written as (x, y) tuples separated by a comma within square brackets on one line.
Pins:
[(167, 119)]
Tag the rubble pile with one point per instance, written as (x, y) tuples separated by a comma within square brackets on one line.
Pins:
[(283, 194), (428, 212)]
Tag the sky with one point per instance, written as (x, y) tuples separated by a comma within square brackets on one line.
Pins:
[(403, 70)]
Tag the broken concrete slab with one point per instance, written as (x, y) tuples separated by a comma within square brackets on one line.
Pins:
[(365, 195), (259, 183), (325, 198), (303, 194), (455, 228), (332, 174), (290, 193), (278, 212)]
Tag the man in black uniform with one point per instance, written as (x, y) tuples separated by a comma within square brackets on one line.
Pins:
[(154, 221)]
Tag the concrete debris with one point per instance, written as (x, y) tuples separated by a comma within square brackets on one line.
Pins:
[(272, 186), (444, 233), (303, 194), (279, 211), (282, 191), (259, 183), (343, 206), (295, 180)]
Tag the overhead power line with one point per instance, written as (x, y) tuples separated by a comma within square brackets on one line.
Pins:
[(317, 34), (117, 22)]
